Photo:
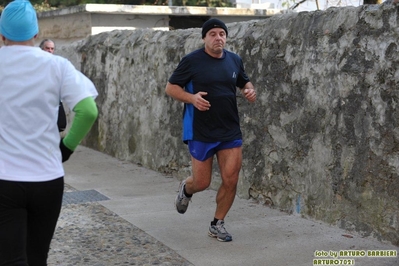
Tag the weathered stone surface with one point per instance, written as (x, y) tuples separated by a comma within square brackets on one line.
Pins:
[(323, 138)]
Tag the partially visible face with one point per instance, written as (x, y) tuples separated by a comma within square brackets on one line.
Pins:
[(49, 47), (214, 40)]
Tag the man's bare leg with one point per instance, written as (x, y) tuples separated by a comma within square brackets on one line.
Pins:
[(198, 181), (201, 175), (229, 161)]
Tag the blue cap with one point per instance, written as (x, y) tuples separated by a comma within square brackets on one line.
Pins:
[(18, 21)]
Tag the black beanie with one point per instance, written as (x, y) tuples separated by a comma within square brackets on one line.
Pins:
[(213, 23)]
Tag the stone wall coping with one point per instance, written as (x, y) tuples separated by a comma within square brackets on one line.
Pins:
[(160, 10)]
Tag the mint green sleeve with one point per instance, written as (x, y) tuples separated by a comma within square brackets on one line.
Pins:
[(85, 115)]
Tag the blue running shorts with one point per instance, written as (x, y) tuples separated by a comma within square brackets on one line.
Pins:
[(204, 150)]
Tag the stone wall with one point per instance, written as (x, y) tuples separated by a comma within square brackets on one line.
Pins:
[(322, 141)]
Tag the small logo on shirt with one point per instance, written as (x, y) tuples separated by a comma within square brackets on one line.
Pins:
[(234, 75)]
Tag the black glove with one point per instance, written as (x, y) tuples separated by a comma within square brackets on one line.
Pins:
[(65, 152)]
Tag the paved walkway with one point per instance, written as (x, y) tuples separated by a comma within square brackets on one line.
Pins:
[(118, 213)]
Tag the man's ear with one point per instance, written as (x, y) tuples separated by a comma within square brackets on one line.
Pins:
[(3, 38), (34, 37)]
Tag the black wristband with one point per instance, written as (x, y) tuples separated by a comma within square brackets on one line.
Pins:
[(65, 152)]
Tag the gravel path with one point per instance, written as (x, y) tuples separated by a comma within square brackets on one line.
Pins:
[(89, 234)]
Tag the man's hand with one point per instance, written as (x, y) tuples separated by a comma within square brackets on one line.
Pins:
[(199, 102), (180, 94), (250, 94)]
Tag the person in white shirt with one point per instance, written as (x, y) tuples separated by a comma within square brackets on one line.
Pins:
[(32, 82)]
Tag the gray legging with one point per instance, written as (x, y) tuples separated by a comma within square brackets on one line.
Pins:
[(28, 216)]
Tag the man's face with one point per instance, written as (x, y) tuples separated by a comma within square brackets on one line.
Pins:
[(49, 47), (214, 40)]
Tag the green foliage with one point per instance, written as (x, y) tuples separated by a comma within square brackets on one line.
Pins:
[(40, 7), (209, 3), (288, 3)]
